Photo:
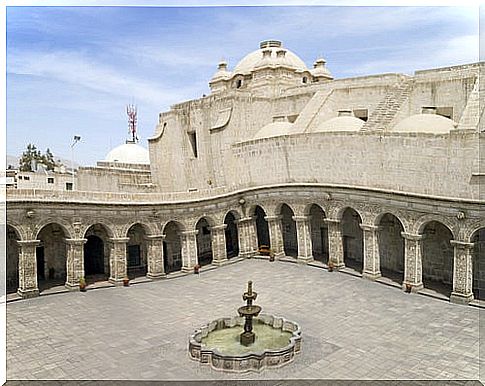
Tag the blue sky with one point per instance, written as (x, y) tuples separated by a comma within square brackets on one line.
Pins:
[(72, 70)]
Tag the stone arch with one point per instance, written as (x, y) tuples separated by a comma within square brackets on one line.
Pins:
[(97, 250), (253, 207), (309, 205), (107, 226), (51, 255), (422, 221), (178, 223), (204, 240), (399, 216), (478, 261), (172, 246), (209, 219), (19, 229), (66, 227), (391, 246), (137, 250), (352, 238), (288, 229), (150, 229), (318, 231), (437, 256), (231, 233), (471, 229), (338, 211), (12, 260)]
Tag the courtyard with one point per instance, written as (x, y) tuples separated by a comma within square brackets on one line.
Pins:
[(352, 328)]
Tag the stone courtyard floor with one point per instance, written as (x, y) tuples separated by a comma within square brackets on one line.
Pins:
[(352, 328)]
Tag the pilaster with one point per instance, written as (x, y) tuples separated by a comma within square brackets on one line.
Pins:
[(218, 236), (155, 256), (372, 268), (28, 287), (74, 263), (189, 250), (304, 237), (413, 270), (246, 229), (117, 260), (335, 243), (462, 272), (276, 235)]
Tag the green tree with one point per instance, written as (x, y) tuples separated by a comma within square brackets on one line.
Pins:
[(32, 154)]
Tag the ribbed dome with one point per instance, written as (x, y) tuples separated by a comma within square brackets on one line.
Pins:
[(255, 58), (129, 153), (343, 123), (425, 123), (274, 129)]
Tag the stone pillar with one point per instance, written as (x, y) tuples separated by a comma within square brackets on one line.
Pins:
[(28, 269), (372, 266), (117, 260), (74, 263), (155, 257), (218, 236), (189, 250), (246, 229), (304, 237), (462, 272), (413, 270), (335, 243), (276, 235)]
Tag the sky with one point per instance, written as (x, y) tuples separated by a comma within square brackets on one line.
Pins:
[(72, 70)]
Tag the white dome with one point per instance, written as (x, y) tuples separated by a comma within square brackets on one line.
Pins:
[(250, 61), (274, 129), (425, 123), (343, 123), (129, 153)]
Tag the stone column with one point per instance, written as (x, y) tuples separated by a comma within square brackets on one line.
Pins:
[(117, 260), (276, 235), (218, 236), (155, 257), (246, 229), (335, 243), (372, 266), (189, 250), (462, 272), (413, 270), (304, 237), (74, 263), (28, 269)]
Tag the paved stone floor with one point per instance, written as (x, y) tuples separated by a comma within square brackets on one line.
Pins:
[(352, 328)]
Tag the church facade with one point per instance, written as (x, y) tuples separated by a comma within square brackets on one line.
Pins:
[(380, 174)]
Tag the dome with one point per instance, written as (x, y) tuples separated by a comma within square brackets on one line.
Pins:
[(425, 123), (222, 73), (343, 123), (129, 153), (274, 129), (283, 58)]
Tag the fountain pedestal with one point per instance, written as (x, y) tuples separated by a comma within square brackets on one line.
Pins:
[(249, 312)]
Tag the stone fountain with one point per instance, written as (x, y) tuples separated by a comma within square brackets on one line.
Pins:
[(265, 341)]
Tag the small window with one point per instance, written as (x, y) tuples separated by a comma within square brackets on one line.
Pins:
[(26, 178), (50, 180), (193, 143), (361, 114), (239, 83), (68, 185), (305, 79), (20, 177)]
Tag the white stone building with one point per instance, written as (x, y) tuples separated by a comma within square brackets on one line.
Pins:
[(380, 173)]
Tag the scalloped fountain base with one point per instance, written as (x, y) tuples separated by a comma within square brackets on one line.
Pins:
[(217, 344)]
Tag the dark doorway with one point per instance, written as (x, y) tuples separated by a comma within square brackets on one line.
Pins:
[(39, 253), (94, 256), (262, 230), (232, 237), (319, 234), (12, 274), (290, 239), (391, 248), (353, 241), (172, 248), (136, 252), (478, 240), (204, 242)]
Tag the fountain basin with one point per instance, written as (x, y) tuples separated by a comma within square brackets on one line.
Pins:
[(217, 344)]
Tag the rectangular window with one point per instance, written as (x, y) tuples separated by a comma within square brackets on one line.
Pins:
[(361, 114), (20, 177), (50, 180), (26, 178), (68, 185), (193, 143)]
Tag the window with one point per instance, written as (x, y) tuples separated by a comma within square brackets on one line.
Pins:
[(239, 83), (26, 178), (50, 180), (20, 177), (361, 114), (305, 79), (68, 185), (193, 143)]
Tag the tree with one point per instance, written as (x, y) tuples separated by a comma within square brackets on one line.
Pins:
[(31, 155)]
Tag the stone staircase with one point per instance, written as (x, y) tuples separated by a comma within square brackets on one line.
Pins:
[(310, 111), (386, 110)]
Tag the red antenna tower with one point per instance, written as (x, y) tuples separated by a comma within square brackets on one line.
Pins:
[(132, 120)]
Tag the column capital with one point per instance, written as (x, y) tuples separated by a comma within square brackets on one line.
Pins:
[(331, 221), (119, 240), (412, 237), (27, 243), (300, 218), (155, 237), (218, 227), (245, 219), (273, 218), (368, 227), (75, 241), (190, 233), (461, 244)]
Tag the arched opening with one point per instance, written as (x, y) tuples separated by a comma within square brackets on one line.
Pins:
[(319, 233), (353, 241), (96, 253), (290, 240), (204, 242), (232, 237), (437, 258), (136, 252), (262, 230), (51, 256), (12, 260), (478, 256), (391, 247), (172, 248)]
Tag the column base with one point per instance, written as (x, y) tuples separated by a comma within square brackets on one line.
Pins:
[(279, 255), (188, 269), (219, 262), (27, 294), (371, 275), (116, 282), (304, 259), (72, 287), (156, 276), (336, 266), (412, 287), (459, 298)]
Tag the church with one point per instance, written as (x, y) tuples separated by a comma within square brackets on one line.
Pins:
[(379, 175)]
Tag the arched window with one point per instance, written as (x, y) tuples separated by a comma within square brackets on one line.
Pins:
[(238, 83), (305, 79)]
